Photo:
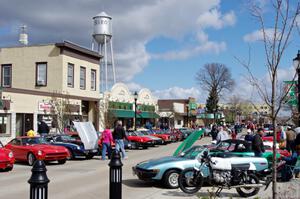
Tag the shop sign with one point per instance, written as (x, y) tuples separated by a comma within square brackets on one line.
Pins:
[(45, 106)]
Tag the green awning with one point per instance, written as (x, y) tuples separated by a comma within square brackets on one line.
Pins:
[(147, 115), (122, 113)]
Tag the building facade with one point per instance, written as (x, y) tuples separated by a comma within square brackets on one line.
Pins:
[(42, 81)]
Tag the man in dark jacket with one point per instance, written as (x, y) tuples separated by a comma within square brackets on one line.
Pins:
[(214, 132), (257, 143), (43, 128), (119, 136)]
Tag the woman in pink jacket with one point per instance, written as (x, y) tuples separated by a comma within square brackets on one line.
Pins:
[(107, 139)]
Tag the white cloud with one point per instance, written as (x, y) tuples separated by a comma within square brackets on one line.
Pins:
[(135, 23), (213, 18), (132, 86), (258, 35), (180, 93)]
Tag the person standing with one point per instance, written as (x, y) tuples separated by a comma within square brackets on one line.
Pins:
[(290, 139), (43, 128), (257, 143), (281, 137), (249, 136), (119, 136), (214, 132), (222, 135), (107, 139)]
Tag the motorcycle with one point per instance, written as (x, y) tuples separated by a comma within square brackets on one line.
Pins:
[(223, 173)]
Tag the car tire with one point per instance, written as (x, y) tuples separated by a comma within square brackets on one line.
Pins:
[(31, 159), (61, 161), (170, 179), (145, 147)]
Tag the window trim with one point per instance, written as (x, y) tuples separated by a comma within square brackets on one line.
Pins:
[(73, 72), (84, 87), (2, 77), (95, 80), (36, 74)]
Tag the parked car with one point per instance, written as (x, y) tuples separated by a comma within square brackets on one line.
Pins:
[(167, 169), (7, 159), (161, 134), (75, 147), (268, 129), (147, 133), (28, 149), (139, 141)]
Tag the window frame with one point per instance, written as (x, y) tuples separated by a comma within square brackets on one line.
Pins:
[(94, 86), (37, 75), (2, 75), (84, 86), (73, 72)]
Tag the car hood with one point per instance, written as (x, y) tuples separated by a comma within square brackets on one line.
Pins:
[(152, 137), (49, 148), (163, 160)]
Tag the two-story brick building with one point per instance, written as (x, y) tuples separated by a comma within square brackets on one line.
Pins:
[(33, 77)]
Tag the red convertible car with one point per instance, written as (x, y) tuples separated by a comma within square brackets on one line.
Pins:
[(31, 148), (7, 159)]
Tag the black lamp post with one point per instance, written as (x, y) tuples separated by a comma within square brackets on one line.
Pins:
[(135, 95), (187, 115), (296, 61)]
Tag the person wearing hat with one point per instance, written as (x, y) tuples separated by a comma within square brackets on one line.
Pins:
[(290, 139)]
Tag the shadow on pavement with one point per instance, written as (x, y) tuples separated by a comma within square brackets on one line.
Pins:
[(201, 193), (138, 183)]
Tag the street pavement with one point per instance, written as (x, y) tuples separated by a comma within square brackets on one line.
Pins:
[(88, 179)]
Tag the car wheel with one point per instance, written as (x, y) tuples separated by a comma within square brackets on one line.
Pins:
[(61, 161), (171, 179), (31, 159)]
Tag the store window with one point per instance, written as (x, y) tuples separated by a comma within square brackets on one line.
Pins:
[(70, 75), (41, 74), (5, 124), (82, 77), (93, 80), (6, 75)]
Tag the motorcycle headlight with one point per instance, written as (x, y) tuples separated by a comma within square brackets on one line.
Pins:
[(40, 152), (10, 155)]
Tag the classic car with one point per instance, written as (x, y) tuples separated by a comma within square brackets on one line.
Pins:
[(167, 169), (160, 134), (7, 159), (75, 147), (29, 149), (147, 133), (139, 141)]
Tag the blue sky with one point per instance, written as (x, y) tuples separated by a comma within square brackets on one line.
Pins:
[(158, 44)]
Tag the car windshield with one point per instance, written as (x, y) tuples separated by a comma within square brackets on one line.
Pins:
[(223, 146), (137, 133), (144, 132), (36, 140), (192, 152)]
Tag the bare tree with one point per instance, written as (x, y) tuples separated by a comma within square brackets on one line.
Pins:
[(275, 41), (214, 78)]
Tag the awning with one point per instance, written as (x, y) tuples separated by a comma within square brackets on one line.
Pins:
[(122, 113), (147, 115)]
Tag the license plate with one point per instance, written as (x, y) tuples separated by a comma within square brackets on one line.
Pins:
[(94, 151), (129, 145)]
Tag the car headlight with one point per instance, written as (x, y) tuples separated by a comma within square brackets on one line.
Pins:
[(40, 152), (155, 170), (10, 155), (78, 148)]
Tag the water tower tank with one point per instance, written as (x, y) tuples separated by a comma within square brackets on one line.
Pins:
[(102, 28)]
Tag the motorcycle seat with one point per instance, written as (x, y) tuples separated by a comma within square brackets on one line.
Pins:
[(243, 167)]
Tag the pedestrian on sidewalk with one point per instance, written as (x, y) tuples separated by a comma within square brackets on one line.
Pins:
[(119, 136), (257, 143), (107, 140)]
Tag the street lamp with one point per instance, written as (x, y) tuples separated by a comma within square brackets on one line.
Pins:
[(135, 95), (296, 62), (187, 115)]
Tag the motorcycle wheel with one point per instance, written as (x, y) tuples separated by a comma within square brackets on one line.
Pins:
[(189, 182), (248, 192)]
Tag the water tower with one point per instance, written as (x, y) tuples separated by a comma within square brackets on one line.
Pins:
[(102, 36)]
